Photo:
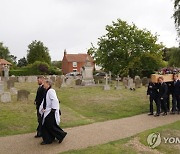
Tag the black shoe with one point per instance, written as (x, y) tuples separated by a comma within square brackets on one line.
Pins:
[(156, 115), (150, 114), (62, 138), (165, 113), (44, 143), (37, 136)]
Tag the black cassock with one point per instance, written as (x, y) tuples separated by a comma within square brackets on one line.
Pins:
[(50, 129)]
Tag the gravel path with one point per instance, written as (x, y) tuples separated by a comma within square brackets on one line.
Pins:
[(84, 136)]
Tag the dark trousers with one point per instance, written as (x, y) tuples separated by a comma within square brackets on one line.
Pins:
[(151, 100), (50, 130), (168, 102), (39, 119), (176, 103), (163, 103)]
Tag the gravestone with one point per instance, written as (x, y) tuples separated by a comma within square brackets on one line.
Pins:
[(31, 79), (117, 87), (13, 78), (1, 87), (125, 82), (110, 74), (6, 97), (70, 81), (87, 73), (145, 81), (63, 81), (13, 91), (21, 79), (78, 82), (6, 72), (53, 78), (138, 82), (131, 84), (22, 95), (106, 86), (10, 84), (58, 82)]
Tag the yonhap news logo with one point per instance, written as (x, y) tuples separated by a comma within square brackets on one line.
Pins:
[(155, 139)]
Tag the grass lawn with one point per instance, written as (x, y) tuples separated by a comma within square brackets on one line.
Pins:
[(79, 106), (138, 144)]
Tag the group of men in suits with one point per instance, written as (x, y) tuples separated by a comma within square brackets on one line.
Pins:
[(160, 94)]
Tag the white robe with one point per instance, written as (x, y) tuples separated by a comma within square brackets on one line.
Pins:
[(52, 102)]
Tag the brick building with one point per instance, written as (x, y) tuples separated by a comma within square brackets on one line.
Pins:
[(74, 62)]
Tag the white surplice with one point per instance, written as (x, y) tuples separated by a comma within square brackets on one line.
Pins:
[(52, 102)]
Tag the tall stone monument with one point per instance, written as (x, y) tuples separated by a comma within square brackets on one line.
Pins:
[(87, 73)]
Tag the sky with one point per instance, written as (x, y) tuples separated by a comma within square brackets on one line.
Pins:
[(75, 24)]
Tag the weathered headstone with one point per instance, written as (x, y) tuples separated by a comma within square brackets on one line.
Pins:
[(6, 72), (13, 78), (31, 79), (78, 82), (106, 86), (70, 81), (10, 84), (53, 78), (117, 87), (110, 74), (131, 84), (22, 95), (6, 97), (145, 81), (125, 82), (63, 81), (87, 73), (138, 82), (13, 91), (1, 87), (58, 82), (21, 79)]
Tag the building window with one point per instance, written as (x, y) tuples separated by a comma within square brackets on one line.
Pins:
[(74, 64)]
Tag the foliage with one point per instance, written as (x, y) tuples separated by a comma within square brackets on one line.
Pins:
[(37, 68), (38, 52), (176, 15), (5, 54), (57, 64), (127, 50), (22, 62), (174, 57)]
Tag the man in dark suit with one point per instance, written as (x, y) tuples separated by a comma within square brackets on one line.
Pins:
[(38, 100), (163, 89), (153, 96), (176, 94)]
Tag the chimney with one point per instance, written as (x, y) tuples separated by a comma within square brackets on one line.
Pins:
[(65, 52)]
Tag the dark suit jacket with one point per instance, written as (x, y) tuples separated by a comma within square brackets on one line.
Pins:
[(163, 89), (176, 88), (152, 90), (39, 96)]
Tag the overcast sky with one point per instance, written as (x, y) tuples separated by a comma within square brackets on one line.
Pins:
[(74, 24)]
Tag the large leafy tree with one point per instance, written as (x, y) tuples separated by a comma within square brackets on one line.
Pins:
[(5, 54), (174, 57), (38, 52), (177, 15), (127, 50), (22, 62)]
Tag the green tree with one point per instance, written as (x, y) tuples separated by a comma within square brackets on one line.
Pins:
[(38, 52), (127, 50), (176, 15), (174, 57), (5, 54), (22, 62), (57, 64)]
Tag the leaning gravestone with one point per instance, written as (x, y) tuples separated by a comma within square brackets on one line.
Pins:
[(22, 95), (138, 82), (10, 84), (1, 87), (6, 97), (145, 81)]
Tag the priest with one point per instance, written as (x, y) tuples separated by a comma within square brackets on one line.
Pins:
[(50, 113)]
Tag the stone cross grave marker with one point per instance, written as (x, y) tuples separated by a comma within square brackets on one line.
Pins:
[(117, 87), (106, 86)]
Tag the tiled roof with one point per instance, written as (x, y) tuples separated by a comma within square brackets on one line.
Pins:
[(4, 62), (78, 57)]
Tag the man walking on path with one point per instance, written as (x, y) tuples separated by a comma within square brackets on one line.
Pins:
[(38, 100)]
